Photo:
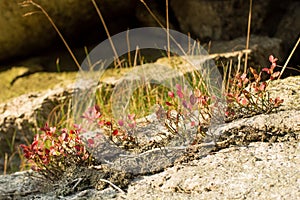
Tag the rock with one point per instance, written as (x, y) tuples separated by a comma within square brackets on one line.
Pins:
[(288, 32), (218, 20), (20, 80), (257, 170), (158, 8), (287, 89), (289, 26), (261, 46), (23, 36)]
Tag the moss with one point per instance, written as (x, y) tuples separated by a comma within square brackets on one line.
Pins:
[(40, 81), (35, 82)]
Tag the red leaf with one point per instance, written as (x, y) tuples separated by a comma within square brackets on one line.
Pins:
[(263, 86), (131, 125), (108, 123), (180, 94), (178, 87), (121, 122), (275, 74), (131, 116), (169, 104), (97, 108), (193, 123), (45, 128), (272, 59), (193, 99), (101, 122), (184, 104), (266, 70), (171, 94), (115, 132), (91, 141)]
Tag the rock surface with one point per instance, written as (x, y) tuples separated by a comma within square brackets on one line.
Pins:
[(218, 20), (261, 47), (257, 157), (264, 170), (288, 24)]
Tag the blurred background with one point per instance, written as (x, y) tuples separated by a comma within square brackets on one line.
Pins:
[(32, 41)]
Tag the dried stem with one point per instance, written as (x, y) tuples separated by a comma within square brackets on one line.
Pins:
[(290, 56), (54, 26), (168, 29), (107, 32), (248, 36)]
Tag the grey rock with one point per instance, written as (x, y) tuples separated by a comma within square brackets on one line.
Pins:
[(281, 129), (258, 171), (263, 170), (261, 46), (218, 20), (289, 26)]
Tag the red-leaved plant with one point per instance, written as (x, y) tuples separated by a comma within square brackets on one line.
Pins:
[(188, 110), (247, 98), (119, 132), (52, 151)]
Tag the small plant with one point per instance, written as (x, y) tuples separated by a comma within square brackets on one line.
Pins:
[(190, 110), (52, 151), (120, 133), (247, 98)]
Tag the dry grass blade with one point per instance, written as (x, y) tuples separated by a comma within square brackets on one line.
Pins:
[(30, 2), (290, 56), (248, 35), (107, 32), (168, 28), (113, 185)]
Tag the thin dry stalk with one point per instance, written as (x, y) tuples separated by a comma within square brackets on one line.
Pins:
[(136, 56), (229, 74), (5, 163), (113, 185), (248, 35), (128, 49), (26, 3), (162, 26), (107, 32), (290, 56), (168, 29)]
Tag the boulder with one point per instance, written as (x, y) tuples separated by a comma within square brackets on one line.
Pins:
[(261, 46), (77, 20), (289, 26), (218, 20), (159, 10), (254, 170), (288, 32)]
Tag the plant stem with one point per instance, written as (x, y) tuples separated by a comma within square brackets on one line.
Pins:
[(248, 35), (290, 56), (107, 32), (56, 29)]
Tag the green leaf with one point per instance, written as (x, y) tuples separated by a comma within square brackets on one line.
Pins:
[(47, 144)]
